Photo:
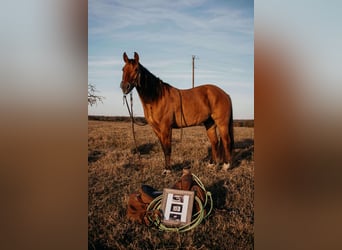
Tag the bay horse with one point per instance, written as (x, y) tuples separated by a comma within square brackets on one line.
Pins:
[(166, 107)]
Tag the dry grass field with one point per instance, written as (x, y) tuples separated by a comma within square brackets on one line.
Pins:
[(115, 171)]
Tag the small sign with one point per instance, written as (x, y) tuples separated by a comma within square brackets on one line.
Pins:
[(177, 206)]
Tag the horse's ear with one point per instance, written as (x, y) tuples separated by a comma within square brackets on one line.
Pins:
[(125, 57), (136, 57)]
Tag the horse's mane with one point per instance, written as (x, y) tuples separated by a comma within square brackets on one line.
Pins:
[(151, 87)]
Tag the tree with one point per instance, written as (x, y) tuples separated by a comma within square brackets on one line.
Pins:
[(92, 97)]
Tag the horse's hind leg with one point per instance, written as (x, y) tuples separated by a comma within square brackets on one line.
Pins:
[(226, 143), (212, 135)]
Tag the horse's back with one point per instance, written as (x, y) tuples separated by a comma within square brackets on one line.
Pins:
[(206, 89), (219, 100), (205, 101), (212, 93)]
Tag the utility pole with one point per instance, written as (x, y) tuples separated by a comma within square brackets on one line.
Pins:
[(193, 71)]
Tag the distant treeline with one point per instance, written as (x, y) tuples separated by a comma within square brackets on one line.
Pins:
[(237, 123)]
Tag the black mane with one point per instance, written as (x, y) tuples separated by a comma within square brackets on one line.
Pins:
[(150, 88)]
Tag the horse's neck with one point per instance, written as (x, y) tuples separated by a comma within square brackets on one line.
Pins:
[(151, 88), (147, 76)]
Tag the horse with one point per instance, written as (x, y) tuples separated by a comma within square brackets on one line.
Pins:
[(166, 107)]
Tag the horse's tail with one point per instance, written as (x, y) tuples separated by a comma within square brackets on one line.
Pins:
[(231, 131)]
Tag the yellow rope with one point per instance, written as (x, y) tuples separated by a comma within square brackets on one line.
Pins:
[(196, 219)]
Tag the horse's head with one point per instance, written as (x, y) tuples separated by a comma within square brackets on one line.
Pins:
[(130, 73)]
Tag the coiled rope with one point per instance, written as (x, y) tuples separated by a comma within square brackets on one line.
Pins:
[(197, 218)]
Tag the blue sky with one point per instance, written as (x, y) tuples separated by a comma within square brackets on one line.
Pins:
[(166, 34)]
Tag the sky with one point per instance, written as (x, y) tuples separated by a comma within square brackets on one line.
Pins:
[(166, 34)]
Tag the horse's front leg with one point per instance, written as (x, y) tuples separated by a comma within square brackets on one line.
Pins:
[(165, 140)]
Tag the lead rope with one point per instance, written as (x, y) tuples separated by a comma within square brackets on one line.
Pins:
[(130, 111), (154, 208)]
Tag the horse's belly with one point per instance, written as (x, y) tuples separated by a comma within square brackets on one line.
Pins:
[(192, 117)]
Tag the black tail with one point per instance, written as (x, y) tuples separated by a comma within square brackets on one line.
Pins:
[(231, 131)]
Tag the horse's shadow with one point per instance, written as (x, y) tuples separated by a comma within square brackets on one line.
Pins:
[(243, 150), (144, 149), (181, 165), (147, 149), (222, 197), (244, 143), (94, 155), (219, 194)]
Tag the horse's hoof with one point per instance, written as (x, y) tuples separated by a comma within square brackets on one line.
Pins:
[(211, 165), (166, 172), (226, 166)]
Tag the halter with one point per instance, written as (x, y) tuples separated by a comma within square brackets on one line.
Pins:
[(135, 82)]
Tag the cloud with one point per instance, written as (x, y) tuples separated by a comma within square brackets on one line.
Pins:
[(104, 61), (167, 24), (106, 17), (166, 34)]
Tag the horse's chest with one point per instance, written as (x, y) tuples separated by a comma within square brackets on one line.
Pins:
[(149, 114), (154, 115)]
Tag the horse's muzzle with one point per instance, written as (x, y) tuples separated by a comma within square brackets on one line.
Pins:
[(126, 87)]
